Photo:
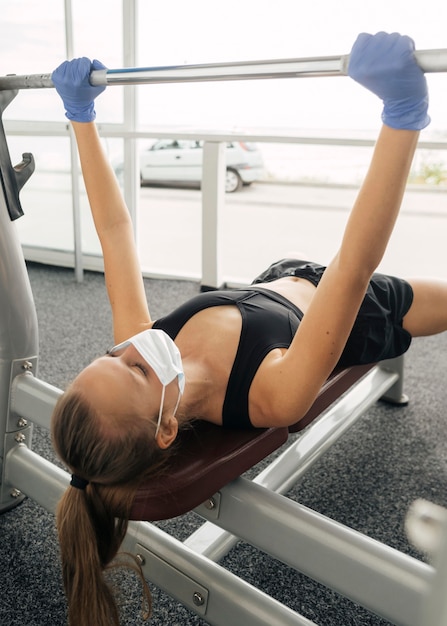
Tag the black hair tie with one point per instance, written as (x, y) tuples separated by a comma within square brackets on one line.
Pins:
[(78, 483)]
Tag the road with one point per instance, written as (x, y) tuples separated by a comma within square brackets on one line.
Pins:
[(266, 221), (259, 224)]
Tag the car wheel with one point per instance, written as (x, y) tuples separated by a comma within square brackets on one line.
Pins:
[(233, 181)]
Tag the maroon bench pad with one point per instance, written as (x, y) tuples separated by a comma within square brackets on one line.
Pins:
[(207, 458), (337, 384)]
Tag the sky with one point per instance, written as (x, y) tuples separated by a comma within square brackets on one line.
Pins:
[(203, 31)]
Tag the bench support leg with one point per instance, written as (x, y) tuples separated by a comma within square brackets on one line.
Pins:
[(395, 394)]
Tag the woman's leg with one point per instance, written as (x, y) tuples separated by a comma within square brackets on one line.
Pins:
[(428, 312)]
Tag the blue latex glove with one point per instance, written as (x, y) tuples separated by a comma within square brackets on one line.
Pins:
[(385, 64), (71, 80)]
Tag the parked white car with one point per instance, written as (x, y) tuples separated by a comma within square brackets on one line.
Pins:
[(180, 161)]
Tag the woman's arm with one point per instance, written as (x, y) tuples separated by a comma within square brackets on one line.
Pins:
[(289, 383), (122, 271), (113, 225)]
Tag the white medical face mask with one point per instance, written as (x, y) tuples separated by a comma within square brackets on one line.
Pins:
[(162, 355)]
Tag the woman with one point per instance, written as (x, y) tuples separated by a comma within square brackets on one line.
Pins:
[(116, 424)]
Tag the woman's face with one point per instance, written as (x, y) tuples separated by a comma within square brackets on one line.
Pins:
[(122, 383)]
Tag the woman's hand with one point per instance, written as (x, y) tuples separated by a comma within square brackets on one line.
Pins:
[(71, 80), (385, 64)]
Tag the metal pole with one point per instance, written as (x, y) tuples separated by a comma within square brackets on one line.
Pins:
[(131, 172), (74, 169), (429, 60)]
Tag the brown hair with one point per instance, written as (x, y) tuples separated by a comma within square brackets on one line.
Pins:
[(92, 523)]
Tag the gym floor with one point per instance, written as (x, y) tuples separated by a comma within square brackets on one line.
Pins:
[(366, 481)]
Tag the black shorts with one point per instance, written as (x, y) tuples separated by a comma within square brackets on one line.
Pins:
[(377, 333)]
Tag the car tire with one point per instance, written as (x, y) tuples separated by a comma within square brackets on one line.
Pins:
[(233, 181)]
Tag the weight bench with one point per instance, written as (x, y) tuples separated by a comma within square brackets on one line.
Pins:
[(208, 457), (206, 476)]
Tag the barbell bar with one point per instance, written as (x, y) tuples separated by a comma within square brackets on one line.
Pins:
[(429, 60)]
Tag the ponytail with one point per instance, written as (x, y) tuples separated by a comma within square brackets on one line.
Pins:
[(92, 522), (90, 600)]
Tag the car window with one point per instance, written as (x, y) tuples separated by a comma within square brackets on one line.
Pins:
[(174, 144), (165, 144)]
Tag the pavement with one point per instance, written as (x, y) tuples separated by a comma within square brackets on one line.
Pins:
[(259, 224), (265, 222)]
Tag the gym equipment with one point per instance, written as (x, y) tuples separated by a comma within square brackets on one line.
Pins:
[(429, 61), (206, 475)]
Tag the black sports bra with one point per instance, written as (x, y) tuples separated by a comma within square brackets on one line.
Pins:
[(268, 321)]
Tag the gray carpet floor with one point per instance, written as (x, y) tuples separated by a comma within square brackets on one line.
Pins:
[(366, 481)]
